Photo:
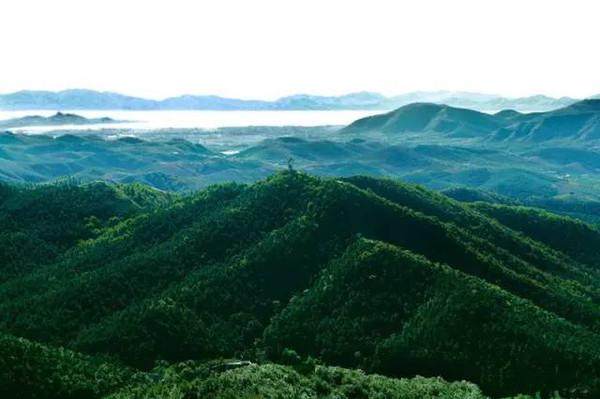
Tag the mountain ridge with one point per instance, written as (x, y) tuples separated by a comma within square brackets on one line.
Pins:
[(577, 121)]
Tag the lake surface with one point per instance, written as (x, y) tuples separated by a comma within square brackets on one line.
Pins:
[(149, 120)]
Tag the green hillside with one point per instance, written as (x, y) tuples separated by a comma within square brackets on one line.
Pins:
[(193, 380), (32, 370), (361, 273), (428, 117), (38, 223)]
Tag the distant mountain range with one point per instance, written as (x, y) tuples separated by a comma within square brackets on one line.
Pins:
[(94, 100)]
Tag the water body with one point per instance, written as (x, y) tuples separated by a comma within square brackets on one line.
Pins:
[(151, 120)]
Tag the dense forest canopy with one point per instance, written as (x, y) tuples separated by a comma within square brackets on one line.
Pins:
[(296, 283)]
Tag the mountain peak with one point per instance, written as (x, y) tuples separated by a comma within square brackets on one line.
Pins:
[(428, 117)]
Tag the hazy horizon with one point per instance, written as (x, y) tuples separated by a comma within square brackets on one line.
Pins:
[(453, 92), (269, 49)]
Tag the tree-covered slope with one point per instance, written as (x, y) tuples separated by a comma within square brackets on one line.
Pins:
[(37, 224), (32, 370), (359, 272), (573, 237), (213, 380), (384, 308)]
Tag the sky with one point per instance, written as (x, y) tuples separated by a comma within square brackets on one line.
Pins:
[(266, 49)]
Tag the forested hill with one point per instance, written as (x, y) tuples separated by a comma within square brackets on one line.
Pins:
[(294, 275)]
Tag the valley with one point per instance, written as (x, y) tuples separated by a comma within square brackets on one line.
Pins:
[(548, 159)]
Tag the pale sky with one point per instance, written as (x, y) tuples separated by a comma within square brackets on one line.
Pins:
[(270, 48)]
